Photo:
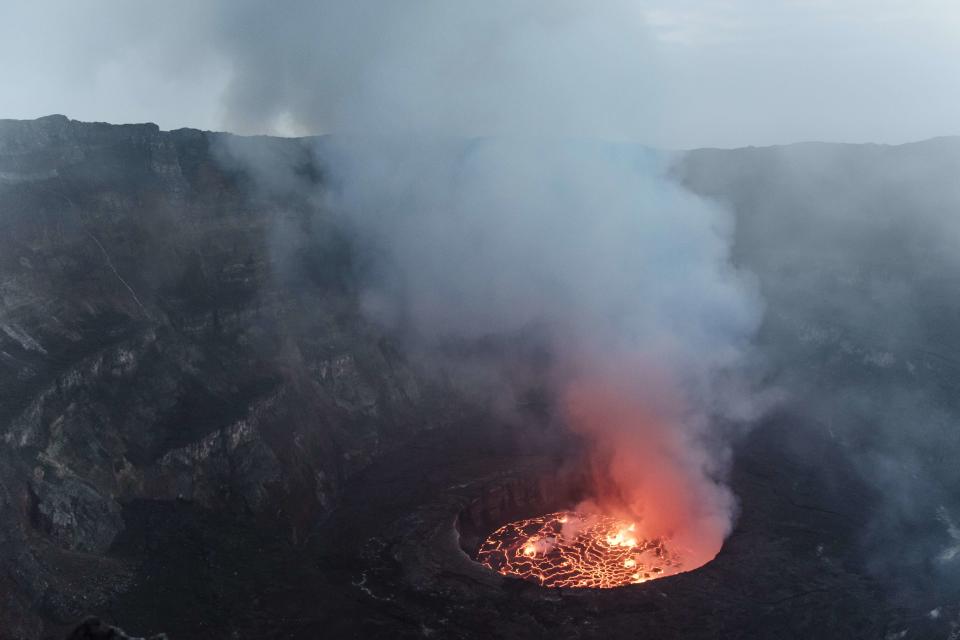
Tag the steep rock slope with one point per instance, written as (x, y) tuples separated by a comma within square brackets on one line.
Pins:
[(188, 386), (154, 345)]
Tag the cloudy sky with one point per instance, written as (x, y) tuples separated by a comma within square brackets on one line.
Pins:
[(688, 73)]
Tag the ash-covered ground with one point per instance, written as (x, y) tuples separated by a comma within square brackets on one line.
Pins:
[(203, 435)]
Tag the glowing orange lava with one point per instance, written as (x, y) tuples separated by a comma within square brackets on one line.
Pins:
[(568, 549)]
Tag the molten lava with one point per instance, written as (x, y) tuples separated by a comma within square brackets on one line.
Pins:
[(653, 485), (569, 549)]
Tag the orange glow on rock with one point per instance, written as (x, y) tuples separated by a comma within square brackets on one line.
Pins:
[(655, 506), (649, 469)]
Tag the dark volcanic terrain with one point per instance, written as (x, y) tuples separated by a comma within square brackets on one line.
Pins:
[(203, 435)]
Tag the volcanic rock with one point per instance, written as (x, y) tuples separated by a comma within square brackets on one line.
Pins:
[(94, 629), (201, 432)]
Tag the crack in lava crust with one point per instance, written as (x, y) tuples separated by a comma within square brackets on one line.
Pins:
[(569, 549)]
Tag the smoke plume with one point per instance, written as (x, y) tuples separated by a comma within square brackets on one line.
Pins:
[(497, 192)]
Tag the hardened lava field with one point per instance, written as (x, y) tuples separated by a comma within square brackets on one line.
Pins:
[(573, 550)]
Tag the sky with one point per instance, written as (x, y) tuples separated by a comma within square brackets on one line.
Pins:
[(696, 73)]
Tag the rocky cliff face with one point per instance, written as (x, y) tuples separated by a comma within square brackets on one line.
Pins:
[(154, 346), (187, 385)]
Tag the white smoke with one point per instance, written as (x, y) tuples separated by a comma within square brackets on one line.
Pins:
[(551, 221), (587, 239), (503, 67)]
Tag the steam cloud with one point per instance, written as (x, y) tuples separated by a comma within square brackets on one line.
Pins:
[(533, 227), (470, 178)]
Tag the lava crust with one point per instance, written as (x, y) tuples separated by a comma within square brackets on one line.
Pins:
[(568, 549)]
